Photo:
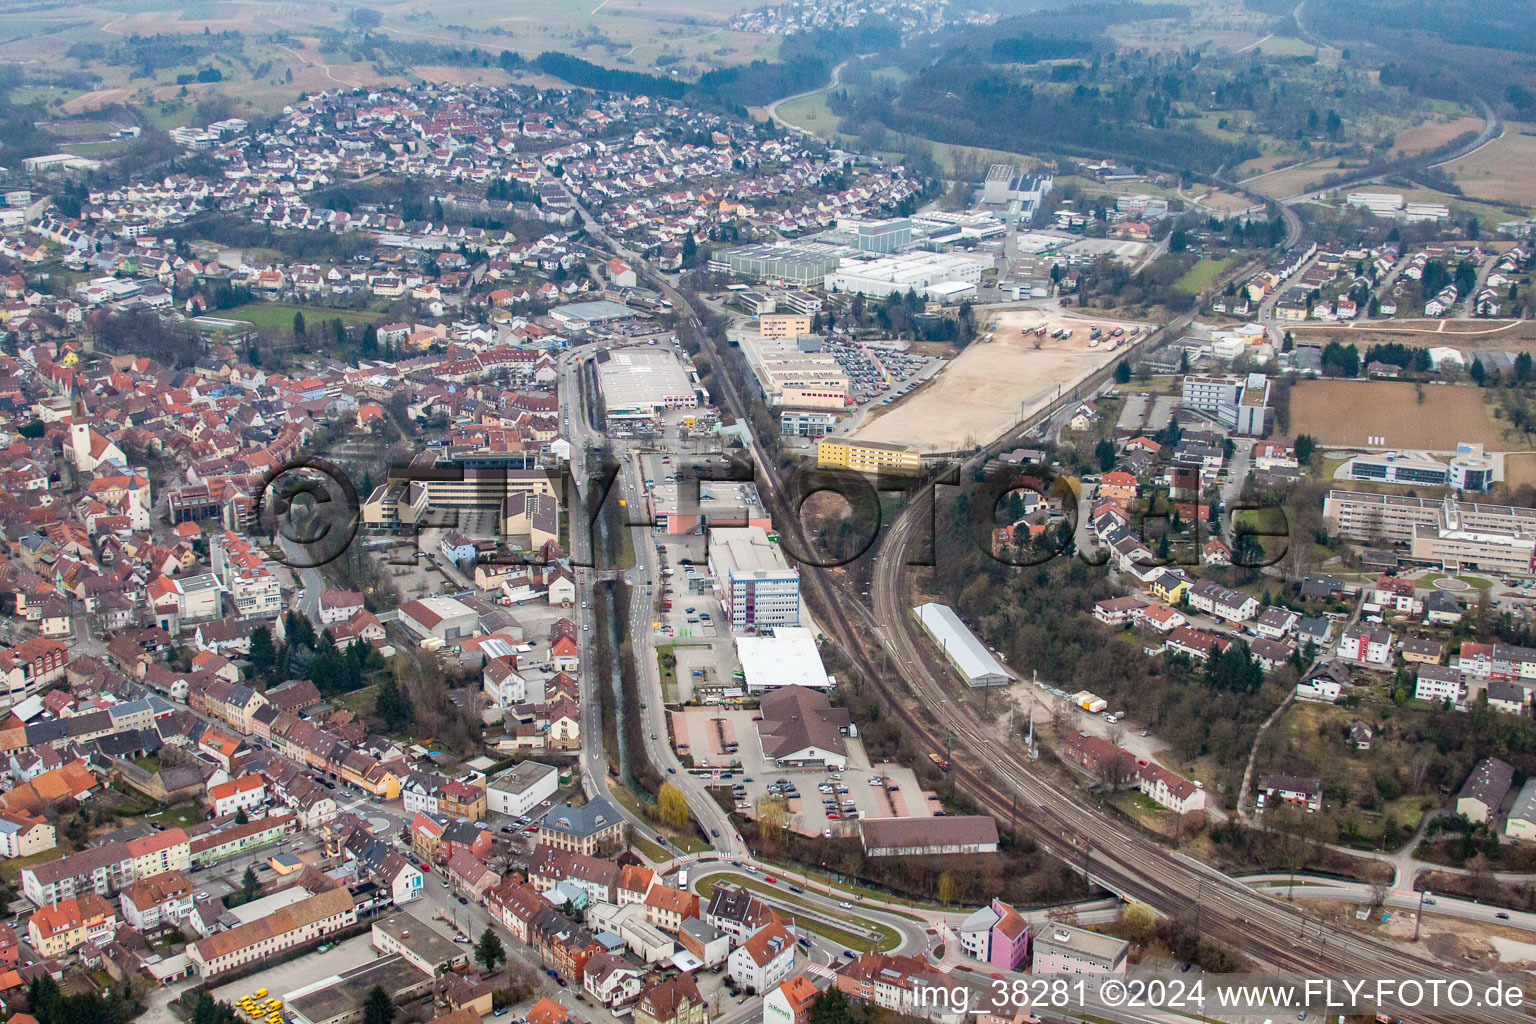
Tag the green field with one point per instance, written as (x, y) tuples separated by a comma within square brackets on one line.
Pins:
[(278, 56), (279, 315), (1200, 276)]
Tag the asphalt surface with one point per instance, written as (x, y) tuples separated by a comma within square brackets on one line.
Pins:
[(594, 760)]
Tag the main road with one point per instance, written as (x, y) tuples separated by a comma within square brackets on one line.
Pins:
[(584, 435)]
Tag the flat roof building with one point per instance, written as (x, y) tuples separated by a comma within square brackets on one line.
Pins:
[(784, 325), (868, 456), (580, 315), (942, 277), (339, 998), (640, 383), (758, 588), (423, 947), (1065, 949), (522, 788), (965, 652), (685, 507), (1451, 534), (798, 263), (787, 658), (794, 375)]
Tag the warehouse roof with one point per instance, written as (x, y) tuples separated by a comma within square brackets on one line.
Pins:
[(960, 645), (787, 658), (641, 377)]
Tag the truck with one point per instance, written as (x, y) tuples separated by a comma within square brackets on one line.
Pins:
[(1095, 334), (943, 763)]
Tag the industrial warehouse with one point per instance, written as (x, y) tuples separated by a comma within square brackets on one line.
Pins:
[(967, 654), (639, 384), (939, 277), (786, 658)]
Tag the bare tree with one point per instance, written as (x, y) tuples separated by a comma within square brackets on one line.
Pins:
[(1418, 768), (1061, 717), (1115, 772)]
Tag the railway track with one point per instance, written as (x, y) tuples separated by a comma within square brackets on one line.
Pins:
[(1000, 783)]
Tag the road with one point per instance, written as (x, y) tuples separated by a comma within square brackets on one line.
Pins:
[(594, 760), (772, 109), (916, 937), (999, 781), (312, 584)]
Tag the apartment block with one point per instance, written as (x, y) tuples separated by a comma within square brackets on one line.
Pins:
[(868, 456)]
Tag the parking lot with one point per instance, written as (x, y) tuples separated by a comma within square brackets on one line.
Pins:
[(861, 790), (877, 372), (306, 970)]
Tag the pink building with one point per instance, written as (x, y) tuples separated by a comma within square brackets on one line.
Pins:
[(998, 935)]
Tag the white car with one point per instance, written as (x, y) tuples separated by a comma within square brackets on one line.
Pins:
[(846, 905)]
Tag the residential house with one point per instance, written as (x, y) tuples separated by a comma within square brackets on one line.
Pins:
[(677, 1001), (1303, 793), (1482, 794), (1439, 683), (1366, 644), (766, 958), (63, 927)]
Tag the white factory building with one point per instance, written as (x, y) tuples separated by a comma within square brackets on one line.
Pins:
[(937, 276), (965, 652), (640, 383), (787, 658)]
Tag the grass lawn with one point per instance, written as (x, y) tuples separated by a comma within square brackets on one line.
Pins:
[(649, 850), (1200, 276), (689, 843), (359, 702), (181, 814), (10, 869), (1159, 385), (1475, 582), (888, 937), (668, 673), (279, 315), (627, 797), (626, 550), (862, 891)]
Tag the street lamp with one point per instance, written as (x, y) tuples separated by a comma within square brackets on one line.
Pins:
[(1420, 915)]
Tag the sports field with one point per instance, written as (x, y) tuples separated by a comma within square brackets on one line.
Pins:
[(279, 315)]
